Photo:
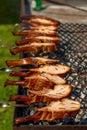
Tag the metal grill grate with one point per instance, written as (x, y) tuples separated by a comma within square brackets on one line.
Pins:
[(72, 51), (74, 46)]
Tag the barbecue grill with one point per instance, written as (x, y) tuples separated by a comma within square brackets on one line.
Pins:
[(72, 51)]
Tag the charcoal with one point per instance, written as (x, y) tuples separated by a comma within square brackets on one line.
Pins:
[(68, 121), (83, 122), (54, 122)]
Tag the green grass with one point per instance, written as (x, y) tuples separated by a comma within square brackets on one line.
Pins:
[(9, 15)]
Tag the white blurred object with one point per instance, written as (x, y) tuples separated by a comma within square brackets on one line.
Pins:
[(33, 3)]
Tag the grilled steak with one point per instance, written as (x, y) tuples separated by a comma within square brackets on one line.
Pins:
[(31, 60), (44, 28), (55, 110), (52, 69), (44, 95), (35, 48), (40, 21), (56, 79), (58, 92), (36, 32), (38, 39), (35, 82)]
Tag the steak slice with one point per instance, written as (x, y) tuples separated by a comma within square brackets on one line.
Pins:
[(52, 69), (35, 48), (54, 110), (36, 61)]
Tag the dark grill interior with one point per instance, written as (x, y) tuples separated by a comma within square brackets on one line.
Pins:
[(72, 51)]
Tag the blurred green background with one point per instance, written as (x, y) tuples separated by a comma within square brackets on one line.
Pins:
[(9, 16)]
